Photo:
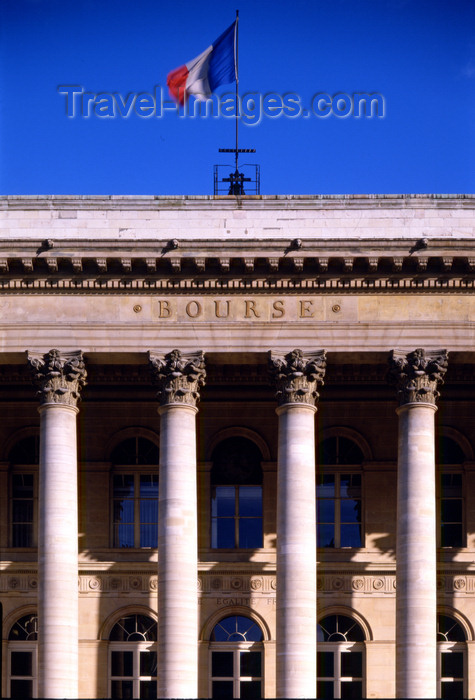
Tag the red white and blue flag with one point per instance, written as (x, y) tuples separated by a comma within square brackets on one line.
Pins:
[(214, 67)]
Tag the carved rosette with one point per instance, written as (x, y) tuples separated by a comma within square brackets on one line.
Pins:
[(179, 376), (59, 376), (417, 374), (297, 375)]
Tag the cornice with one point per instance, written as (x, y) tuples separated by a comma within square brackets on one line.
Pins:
[(153, 202), (236, 266)]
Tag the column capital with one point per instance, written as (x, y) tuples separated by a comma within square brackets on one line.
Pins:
[(179, 376), (297, 375), (417, 374), (59, 376)]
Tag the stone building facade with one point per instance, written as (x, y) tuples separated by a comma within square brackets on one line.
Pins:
[(237, 446)]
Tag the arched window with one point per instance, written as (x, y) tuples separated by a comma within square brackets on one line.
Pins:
[(450, 457), (236, 658), (236, 495), (339, 487), (133, 658), (135, 493), (23, 658), (451, 658), (340, 658), (24, 460)]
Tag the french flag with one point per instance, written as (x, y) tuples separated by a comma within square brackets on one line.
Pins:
[(214, 67)]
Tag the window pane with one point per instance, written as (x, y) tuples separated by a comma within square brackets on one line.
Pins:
[(452, 690), (21, 663), (351, 690), (451, 485), (148, 663), (452, 664), (325, 661), (222, 689), (22, 511), (123, 486), (22, 535), (352, 664), (325, 690), (224, 501), (222, 664), (250, 663), (451, 535), (122, 663), (350, 485), (325, 486), (326, 511), (223, 533), (451, 510), (123, 511), (122, 689), (250, 501), (350, 536), (21, 689), (22, 485), (250, 532), (325, 536), (250, 690), (350, 511), (149, 535), (148, 690), (124, 535), (148, 486), (149, 511)]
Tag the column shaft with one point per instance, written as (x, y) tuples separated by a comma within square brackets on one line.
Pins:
[(58, 553), (177, 554), (296, 553), (416, 592)]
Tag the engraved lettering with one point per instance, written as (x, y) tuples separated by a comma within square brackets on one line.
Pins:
[(217, 309), (250, 306), (193, 309), (278, 307), (306, 309), (164, 310)]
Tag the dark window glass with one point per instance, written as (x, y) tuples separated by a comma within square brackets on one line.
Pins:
[(148, 663), (351, 690), (148, 690), (250, 533), (122, 689), (21, 688), (21, 663), (350, 536), (236, 628), (222, 663), (250, 663), (26, 451), (135, 450), (223, 689), (451, 535), (325, 690), (325, 664), (22, 510), (135, 498), (339, 510), (452, 690), (250, 690), (134, 628), (326, 536), (335, 628), (452, 664), (449, 451), (339, 450), (122, 663), (449, 630), (25, 629), (352, 664)]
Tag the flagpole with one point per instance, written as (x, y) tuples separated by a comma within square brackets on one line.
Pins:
[(236, 48)]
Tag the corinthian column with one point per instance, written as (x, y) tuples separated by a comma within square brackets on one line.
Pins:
[(416, 376), (59, 377), (296, 377), (179, 377)]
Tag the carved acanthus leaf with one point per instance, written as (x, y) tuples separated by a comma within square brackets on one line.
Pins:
[(297, 376), (179, 376), (59, 376), (417, 374)]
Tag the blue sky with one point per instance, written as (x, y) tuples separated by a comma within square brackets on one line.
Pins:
[(419, 55)]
